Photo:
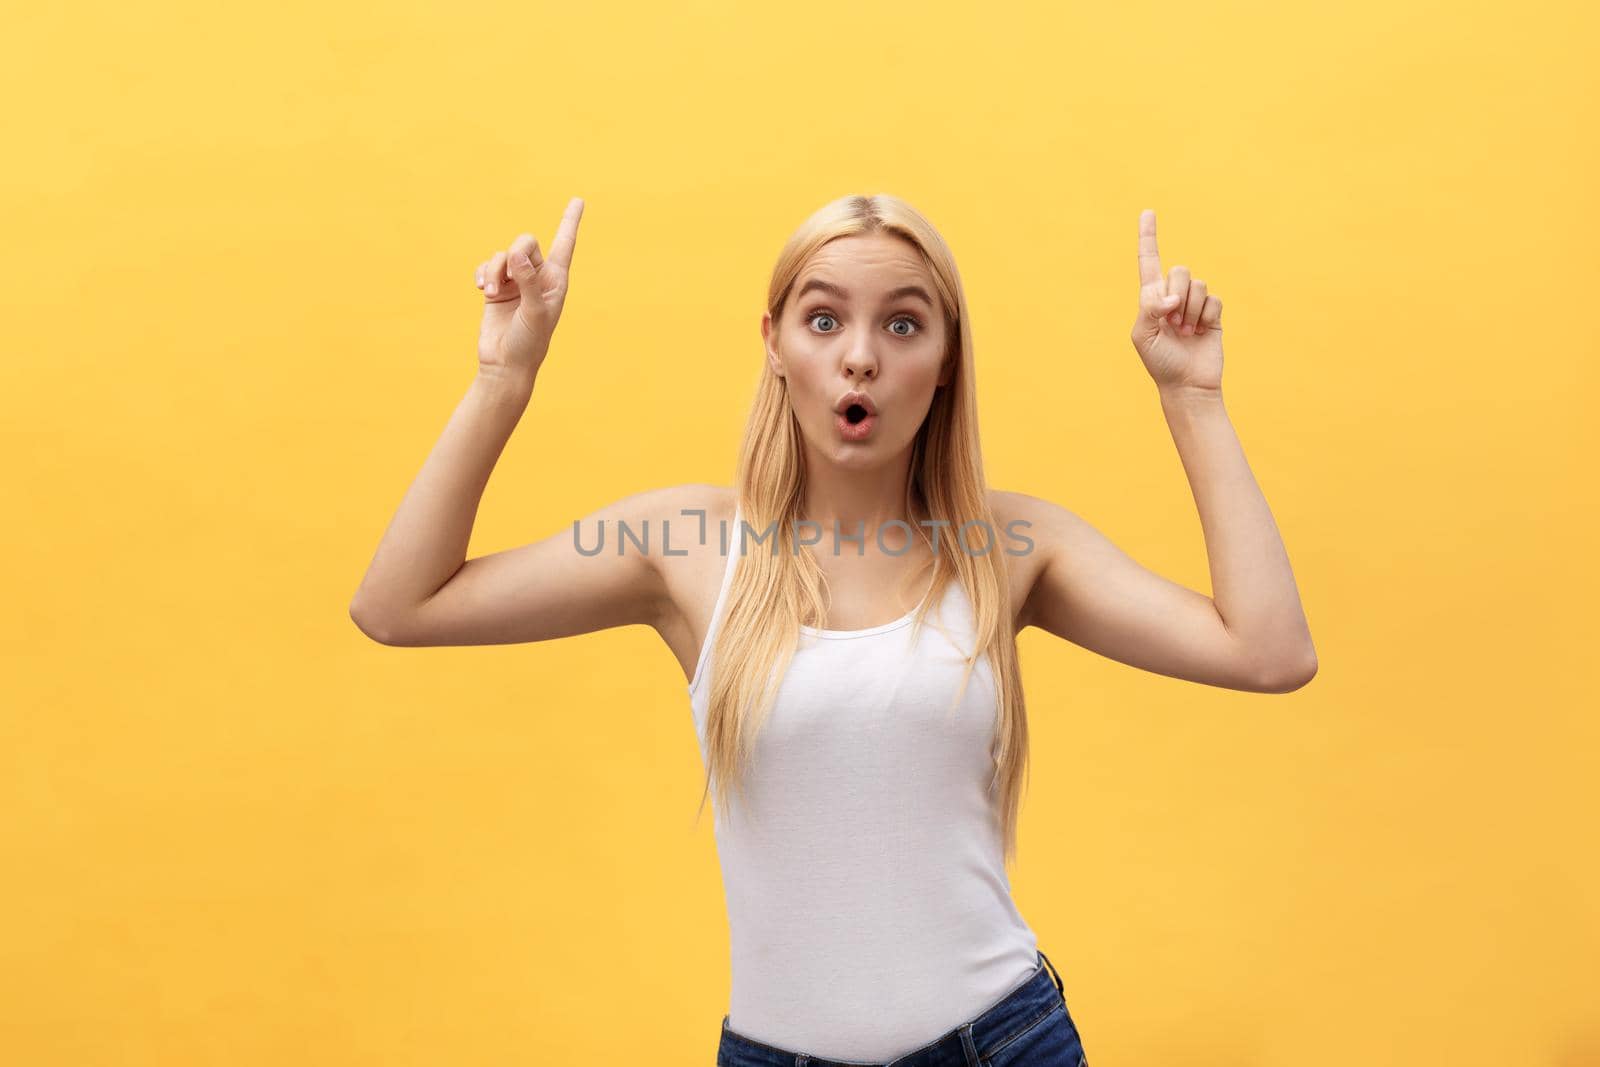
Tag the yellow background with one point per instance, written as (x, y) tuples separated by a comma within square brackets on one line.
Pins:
[(238, 274)]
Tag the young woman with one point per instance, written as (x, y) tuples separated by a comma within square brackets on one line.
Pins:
[(867, 768)]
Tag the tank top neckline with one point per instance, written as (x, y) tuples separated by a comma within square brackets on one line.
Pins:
[(845, 635), (809, 631)]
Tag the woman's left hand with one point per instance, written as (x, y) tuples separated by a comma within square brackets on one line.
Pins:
[(1178, 333)]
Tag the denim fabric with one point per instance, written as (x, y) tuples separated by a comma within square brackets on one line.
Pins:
[(1029, 1027)]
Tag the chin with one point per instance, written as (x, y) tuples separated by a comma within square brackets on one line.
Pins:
[(861, 454)]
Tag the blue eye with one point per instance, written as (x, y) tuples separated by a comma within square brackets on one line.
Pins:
[(912, 319)]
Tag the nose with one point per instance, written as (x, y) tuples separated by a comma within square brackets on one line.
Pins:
[(859, 362)]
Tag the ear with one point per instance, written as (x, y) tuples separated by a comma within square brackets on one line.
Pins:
[(947, 369), (773, 359)]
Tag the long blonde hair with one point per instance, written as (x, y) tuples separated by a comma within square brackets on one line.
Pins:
[(773, 593)]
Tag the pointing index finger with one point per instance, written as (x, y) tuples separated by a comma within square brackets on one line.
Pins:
[(567, 233), (1149, 257)]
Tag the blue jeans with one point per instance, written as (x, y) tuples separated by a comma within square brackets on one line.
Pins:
[(1029, 1027)]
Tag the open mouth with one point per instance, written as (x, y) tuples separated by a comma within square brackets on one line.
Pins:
[(856, 418), (856, 422)]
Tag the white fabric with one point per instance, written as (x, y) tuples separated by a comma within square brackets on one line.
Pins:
[(869, 910)]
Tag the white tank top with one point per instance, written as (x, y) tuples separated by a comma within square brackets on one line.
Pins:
[(869, 910)]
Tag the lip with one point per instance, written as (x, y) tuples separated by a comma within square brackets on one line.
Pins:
[(858, 431), (854, 397)]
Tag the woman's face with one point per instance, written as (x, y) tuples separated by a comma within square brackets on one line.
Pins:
[(862, 317)]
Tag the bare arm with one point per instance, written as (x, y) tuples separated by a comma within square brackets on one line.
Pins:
[(1253, 586), (419, 588), (1251, 633), (546, 589), (426, 541)]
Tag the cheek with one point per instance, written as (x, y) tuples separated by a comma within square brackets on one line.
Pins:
[(929, 368), (805, 380)]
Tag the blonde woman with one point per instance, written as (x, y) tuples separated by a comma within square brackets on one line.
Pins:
[(845, 616)]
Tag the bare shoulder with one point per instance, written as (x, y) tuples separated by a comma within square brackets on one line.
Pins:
[(668, 529), (686, 519), (686, 530), (1031, 529), (1055, 520), (1007, 504), (670, 525)]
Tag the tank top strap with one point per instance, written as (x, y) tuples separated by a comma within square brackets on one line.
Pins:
[(734, 541)]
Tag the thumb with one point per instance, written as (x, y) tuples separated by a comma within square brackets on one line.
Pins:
[(1162, 306), (523, 269), (1147, 327)]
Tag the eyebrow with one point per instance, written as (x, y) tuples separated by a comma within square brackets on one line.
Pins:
[(894, 294)]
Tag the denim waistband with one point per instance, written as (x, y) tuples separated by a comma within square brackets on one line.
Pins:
[(1038, 995)]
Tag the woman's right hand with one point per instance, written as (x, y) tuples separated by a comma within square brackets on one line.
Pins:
[(523, 293)]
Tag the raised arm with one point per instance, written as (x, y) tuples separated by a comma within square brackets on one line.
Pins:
[(1088, 591), (1251, 633), (419, 588), (549, 588)]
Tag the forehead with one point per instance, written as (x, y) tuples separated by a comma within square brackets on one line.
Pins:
[(867, 262)]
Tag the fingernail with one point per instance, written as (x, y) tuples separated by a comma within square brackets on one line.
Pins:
[(1187, 329)]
